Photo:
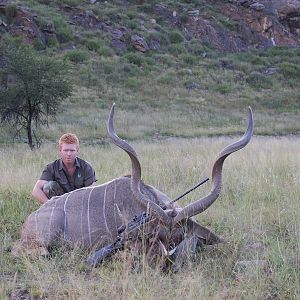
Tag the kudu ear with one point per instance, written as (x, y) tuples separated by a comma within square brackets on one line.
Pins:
[(205, 202)]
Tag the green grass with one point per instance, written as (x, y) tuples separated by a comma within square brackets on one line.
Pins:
[(257, 214), (186, 88), (176, 105)]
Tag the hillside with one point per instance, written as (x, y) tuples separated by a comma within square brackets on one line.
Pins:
[(183, 68)]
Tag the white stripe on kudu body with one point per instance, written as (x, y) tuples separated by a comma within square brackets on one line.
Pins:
[(88, 217), (104, 209), (65, 224), (51, 216)]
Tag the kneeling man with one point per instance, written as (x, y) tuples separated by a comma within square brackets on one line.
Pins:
[(65, 174)]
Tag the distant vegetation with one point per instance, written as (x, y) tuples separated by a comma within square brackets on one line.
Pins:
[(33, 87), (184, 79)]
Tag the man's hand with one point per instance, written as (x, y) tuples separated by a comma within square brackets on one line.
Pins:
[(38, 192)]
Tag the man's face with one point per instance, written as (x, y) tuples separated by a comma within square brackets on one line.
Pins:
[(68, 153)]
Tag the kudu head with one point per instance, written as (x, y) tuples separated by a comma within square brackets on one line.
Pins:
[(172, 216)]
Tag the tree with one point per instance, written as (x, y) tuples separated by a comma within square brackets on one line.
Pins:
[(31, 88)]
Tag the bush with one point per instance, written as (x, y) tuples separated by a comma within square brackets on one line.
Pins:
[(157, 36), (71, 2), (132, 24), (10, 13), (184, 18), (290, 70), (134, 58), (63, 31), (105, 51), (175, 37), (176, 49), (188, 59), (131, 70), (76, 56), (223, 88), (93, 45), (259, 81), (52, 41), (167, 78), (38, 44), (133, 83)]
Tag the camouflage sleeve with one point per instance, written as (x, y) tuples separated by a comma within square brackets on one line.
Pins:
[(48, 173), (89, 175)]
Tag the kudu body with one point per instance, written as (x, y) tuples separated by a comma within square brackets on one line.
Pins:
[(90, 217)]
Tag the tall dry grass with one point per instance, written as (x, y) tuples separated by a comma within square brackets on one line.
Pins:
[(258, 214)]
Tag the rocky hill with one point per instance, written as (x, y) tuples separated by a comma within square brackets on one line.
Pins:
[(228, 26)]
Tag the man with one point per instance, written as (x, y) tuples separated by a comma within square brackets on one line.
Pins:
[(65, 174)]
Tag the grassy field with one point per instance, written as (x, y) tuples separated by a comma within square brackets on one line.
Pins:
[(258, 214), (178, 106)]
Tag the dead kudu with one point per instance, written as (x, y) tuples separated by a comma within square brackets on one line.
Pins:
[(90, 217)]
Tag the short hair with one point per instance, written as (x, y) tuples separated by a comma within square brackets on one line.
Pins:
[(68, 138)]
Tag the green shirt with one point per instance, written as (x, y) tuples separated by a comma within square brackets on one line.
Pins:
[(84, 174)]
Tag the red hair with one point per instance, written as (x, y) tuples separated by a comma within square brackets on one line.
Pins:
[(68, 138)]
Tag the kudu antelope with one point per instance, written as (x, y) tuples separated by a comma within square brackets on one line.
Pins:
[(90, 217)]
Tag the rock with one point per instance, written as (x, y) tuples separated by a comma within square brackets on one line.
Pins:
[(193, 13), (154, 44), (139, 43), (119, 45), (2, 23), (192, 85), (168, 14), (257, 6), (271, 71), (273, 25), (225, 64), (246, 3)]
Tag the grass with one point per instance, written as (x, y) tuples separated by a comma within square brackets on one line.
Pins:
[(257, 214), (175, 105), (185, 88)]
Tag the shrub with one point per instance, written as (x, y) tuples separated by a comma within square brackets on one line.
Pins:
[(146, 7), (93, 44), (38, 44), (158, 36), (63, 31), (108, 68), (133, 83), (134, 58), (175, 37), (10, 12), (88, 76), (105, 51), (188, 59), (131, 24), (176, 49), (131, 69), (290, 70), (76, 56), (259, 81), (184, 18), (223, 88), (52, 41), (167, 78), (71, 2)]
